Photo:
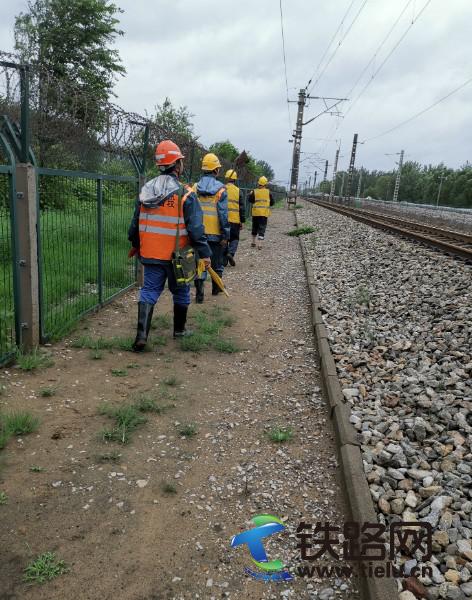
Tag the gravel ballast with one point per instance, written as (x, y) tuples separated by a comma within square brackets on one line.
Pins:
[(400, 325)]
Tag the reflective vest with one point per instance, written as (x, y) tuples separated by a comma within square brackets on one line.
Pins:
[(233, 203), (158, 228), (210, 213), (261, 206)]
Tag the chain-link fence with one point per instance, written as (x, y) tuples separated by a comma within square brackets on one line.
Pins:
[(79, 163)]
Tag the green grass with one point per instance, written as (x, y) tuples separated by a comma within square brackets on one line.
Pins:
[(36, 469), (32, 361), (168, 488), (301, 231), (119, 372), (3, 389), (207, 326), (127, 418), (96, 354), (280, 435), (47, 392), (44, 568), (224, 345), (19, 423), (188, 430), (298, 206), (3, 498), (171, 381), (146, 402), (113, 343), (161, 322)]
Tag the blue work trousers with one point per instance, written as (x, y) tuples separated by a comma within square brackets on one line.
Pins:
[(155, 277)]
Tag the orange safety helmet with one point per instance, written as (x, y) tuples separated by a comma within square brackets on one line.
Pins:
[(167, 153)]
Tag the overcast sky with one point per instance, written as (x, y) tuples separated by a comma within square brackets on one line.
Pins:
[(224, 61)]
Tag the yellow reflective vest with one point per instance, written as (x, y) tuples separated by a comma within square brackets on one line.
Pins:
[(261, 206), (233, 203), (208, 204)]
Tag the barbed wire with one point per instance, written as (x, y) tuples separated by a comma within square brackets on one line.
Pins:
[(71, 128)]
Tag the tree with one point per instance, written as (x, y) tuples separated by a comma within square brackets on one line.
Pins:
[(173, 121), (225, 150), (74, 68), (266, 169)]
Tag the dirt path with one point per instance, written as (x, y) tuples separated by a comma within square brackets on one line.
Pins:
[(119, 526)]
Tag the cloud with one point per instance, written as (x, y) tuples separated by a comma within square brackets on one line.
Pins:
[(224, 61)]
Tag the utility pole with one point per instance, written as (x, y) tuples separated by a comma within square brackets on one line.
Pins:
[(325, 174), (342, 185), (335, 172), (359, 185), (443, 177), (351, 168), (297, 143), (399, 174), (297, 135), (314, 183)]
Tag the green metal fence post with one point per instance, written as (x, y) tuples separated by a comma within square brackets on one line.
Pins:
[(100, 239)]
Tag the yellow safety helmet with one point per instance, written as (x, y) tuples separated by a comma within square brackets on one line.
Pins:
[(263, 180), (210, 162), (231, 174)]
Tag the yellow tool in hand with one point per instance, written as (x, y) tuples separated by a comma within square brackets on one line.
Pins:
[(216, 278)]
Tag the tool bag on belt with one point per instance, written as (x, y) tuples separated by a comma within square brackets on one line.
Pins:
[(183, 259)]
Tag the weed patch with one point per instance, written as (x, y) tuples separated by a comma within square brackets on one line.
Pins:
[(161, 322), (208, 325), (279, 435), (127, 418), (44, 568), (32, 361), (47, 392), (188, 431), (301, 231), (168, 488), (36, 469), (18, 423), (119, 372)]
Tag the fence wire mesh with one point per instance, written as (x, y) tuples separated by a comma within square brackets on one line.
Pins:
[(83, 244), (7, 307)]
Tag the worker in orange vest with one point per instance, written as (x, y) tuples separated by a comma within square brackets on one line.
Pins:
[(236, 215), (165, 208), (261, 200)]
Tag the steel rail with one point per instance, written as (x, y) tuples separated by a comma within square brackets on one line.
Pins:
[(451, 242)]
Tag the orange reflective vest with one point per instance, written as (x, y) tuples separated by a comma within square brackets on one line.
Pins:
[(261, 206), (233, 203), (158, 228)]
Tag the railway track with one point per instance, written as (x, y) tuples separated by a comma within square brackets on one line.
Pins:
[(452, 242)]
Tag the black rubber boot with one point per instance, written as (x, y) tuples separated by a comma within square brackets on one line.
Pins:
[(231, 260), (180, 318), (145, 311), (200, 295)]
